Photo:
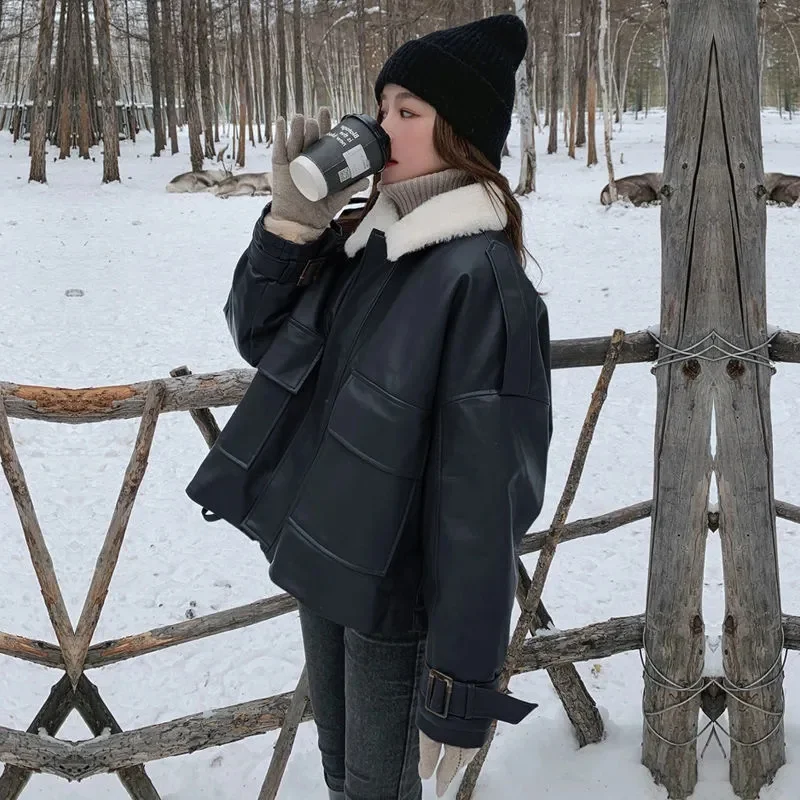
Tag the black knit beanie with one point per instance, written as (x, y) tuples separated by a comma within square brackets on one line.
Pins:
[(467, 74)]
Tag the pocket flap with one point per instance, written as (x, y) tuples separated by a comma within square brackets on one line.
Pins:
[(291, 356), (380, 428)]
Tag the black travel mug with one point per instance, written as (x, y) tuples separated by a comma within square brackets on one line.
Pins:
[(357, 146)]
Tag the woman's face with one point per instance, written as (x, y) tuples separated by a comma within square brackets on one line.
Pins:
[(409, 122)]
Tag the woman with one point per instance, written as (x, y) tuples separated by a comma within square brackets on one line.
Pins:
[(391, 450)]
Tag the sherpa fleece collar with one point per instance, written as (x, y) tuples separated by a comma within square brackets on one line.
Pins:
[(449, 215)]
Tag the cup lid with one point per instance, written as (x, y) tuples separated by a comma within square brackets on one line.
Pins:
[(308, 178)]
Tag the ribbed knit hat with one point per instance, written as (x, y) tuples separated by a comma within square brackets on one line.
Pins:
[(467, 74)]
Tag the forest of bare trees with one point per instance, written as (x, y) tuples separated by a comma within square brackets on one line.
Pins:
[(76, 72)]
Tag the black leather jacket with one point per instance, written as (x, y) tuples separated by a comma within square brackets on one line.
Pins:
[(391, 450)]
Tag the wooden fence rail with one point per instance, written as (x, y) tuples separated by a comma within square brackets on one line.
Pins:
[(217, 389)]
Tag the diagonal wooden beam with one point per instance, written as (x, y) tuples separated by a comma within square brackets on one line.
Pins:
[(97, 716), (109, 554), (283, 747), (51, 717), (40, 555), (533, 596), (578, 703)]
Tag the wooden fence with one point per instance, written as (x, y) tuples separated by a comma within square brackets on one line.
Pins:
[(126, 752)]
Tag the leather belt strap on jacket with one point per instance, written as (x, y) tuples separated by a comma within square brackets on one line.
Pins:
[(446, 697)]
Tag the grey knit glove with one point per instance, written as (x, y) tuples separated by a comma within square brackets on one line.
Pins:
[(293, 215)]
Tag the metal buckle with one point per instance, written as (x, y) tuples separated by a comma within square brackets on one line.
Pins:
[(433, 675), (311, 271)]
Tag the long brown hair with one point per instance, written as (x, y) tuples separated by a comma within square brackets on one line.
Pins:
[(461, 154)]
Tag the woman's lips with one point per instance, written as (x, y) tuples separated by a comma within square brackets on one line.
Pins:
[(390, 162)]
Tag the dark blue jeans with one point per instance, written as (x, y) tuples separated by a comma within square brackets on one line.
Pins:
[(364, 692)]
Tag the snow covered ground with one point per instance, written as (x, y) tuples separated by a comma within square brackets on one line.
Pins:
[(155, 269)]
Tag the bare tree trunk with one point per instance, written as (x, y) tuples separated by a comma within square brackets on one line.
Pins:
[(555, 74), (130, 71), (280, 33), (82, 64), (612, 185), (231, 87), (594, 39), (391, 30), (91, 78), (527, 150), (69, 8), (62, 29), (244, 78), (205, 76), (215, 76), (47, 21), (170, 60), (362, 56), (256, 94), (110, 136), (581, 70), (156, 72), (266, 65), (17, 101), (190, 94), (297, 23), (240, 155)]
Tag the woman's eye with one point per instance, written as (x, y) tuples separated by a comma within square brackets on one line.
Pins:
[(403, 112)]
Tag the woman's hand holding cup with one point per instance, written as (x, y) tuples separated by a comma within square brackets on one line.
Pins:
[(287, 202)]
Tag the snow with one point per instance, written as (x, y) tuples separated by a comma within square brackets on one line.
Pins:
[(154, 269)]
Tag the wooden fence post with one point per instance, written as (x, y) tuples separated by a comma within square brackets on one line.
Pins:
[(752, 632), (674, 639), (713, 361)]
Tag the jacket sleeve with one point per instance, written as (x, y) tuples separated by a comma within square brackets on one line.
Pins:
[(484, 487), (267, 283)]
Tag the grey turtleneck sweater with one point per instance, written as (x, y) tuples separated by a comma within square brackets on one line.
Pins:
[(407, 195)]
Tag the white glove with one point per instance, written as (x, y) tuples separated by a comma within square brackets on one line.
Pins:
[(454, 759)]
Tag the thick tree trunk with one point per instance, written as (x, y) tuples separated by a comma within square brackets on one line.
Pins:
[(156, 73), (170, 61), (190, 94), (91, 78), (110, 136), (47, 21), (82, 63), (204, 59), (70, 9)]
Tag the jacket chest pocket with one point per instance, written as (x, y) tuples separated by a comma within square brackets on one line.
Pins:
[(358, 492), (280, 374)]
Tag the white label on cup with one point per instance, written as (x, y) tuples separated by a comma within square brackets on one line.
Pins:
[(344, 174), (356, 160)]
